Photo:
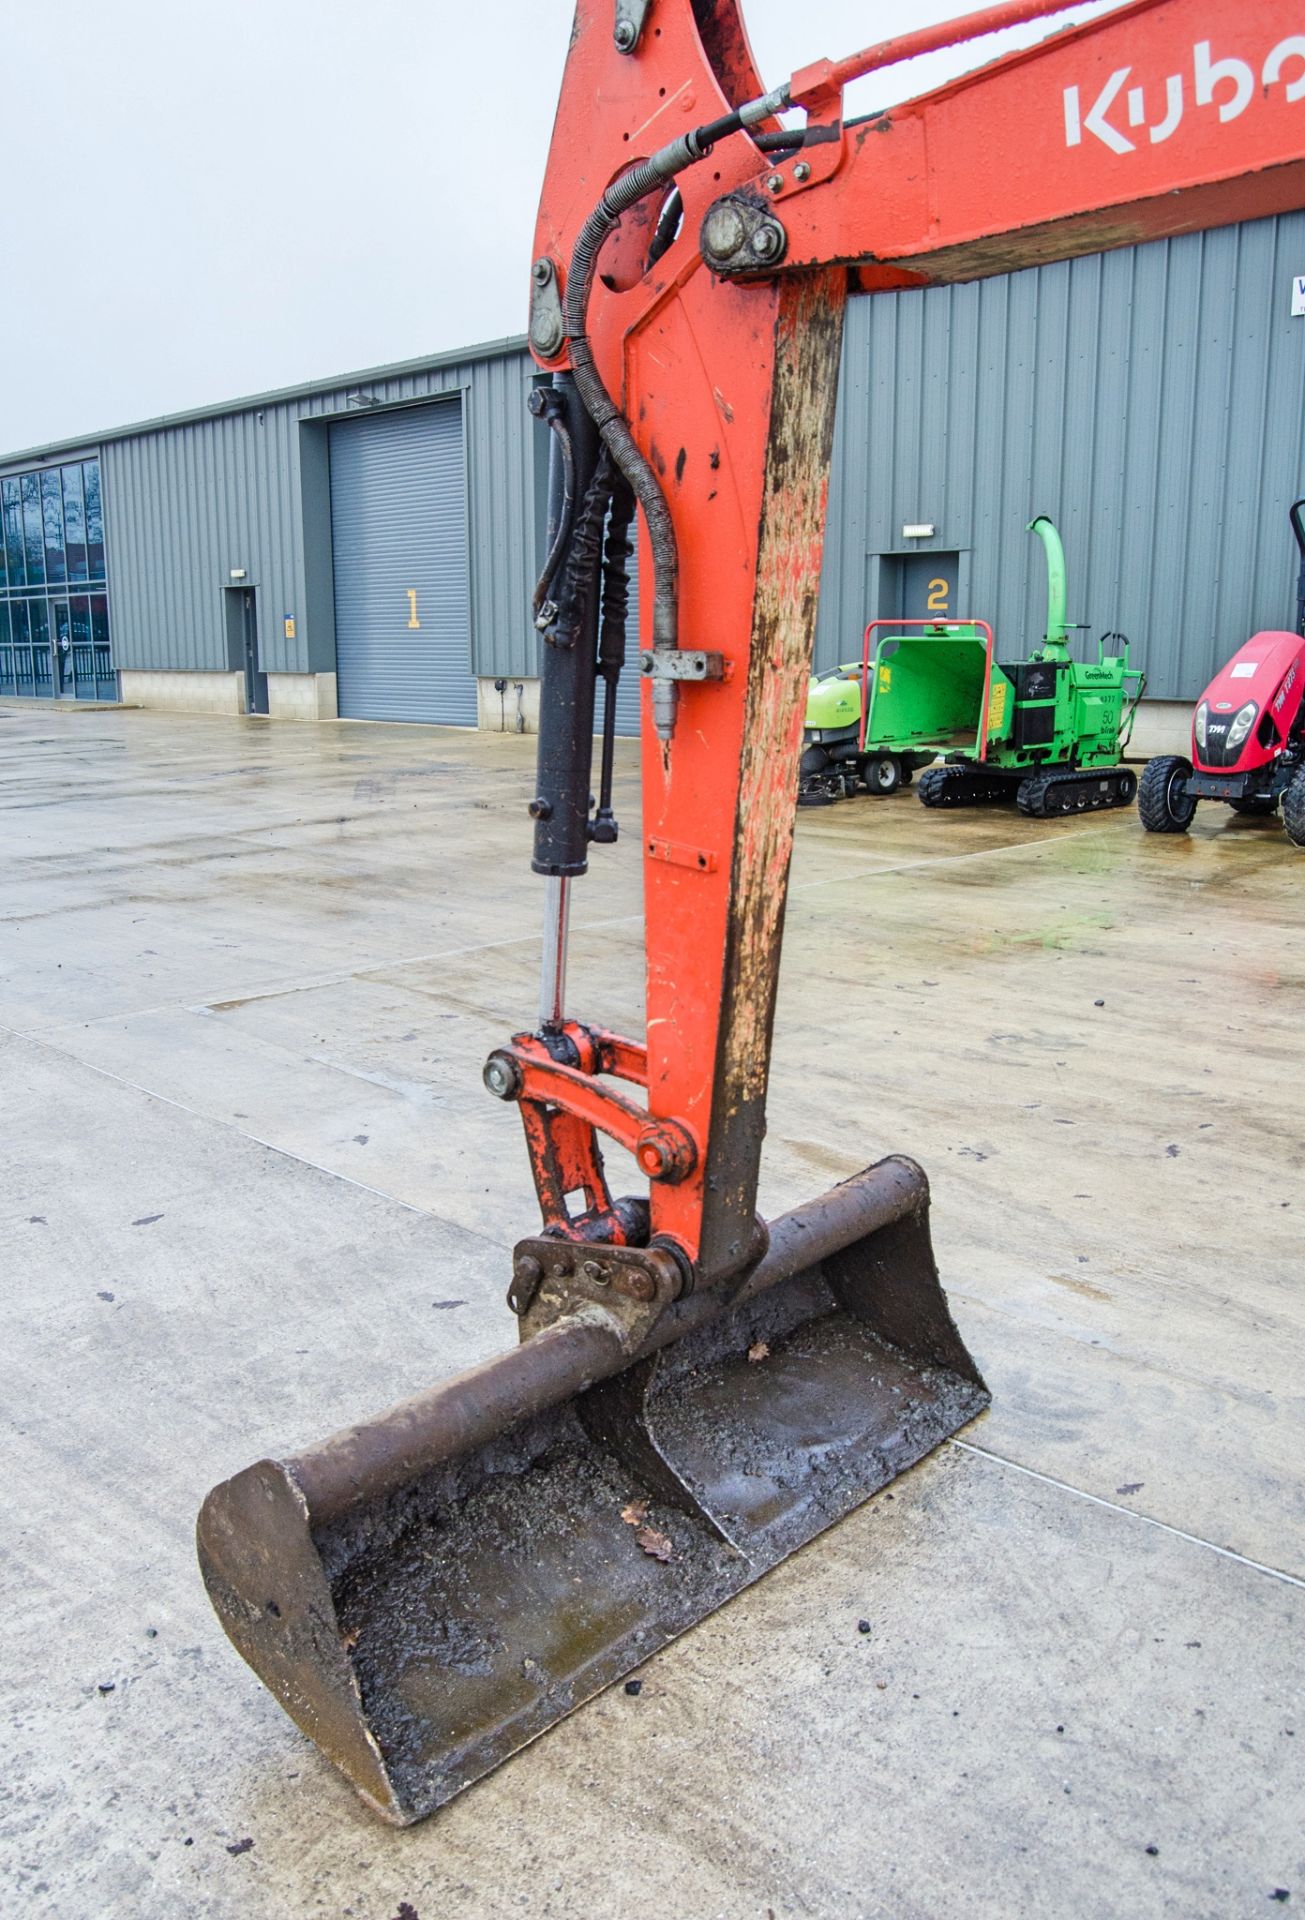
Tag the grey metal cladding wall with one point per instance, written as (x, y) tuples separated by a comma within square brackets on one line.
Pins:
[(1151, 400), (185, 504)]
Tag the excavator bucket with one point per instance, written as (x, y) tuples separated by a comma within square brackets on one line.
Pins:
[(429, 1591)]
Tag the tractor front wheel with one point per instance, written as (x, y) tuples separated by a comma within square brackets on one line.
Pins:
[(1163, 805), (882, 775), (1293, 809)]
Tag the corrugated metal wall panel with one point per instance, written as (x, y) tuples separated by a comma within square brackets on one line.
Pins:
[(399, 533), (1151, 400), (186, 504)]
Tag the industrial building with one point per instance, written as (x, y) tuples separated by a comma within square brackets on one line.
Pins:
[(365, 547)]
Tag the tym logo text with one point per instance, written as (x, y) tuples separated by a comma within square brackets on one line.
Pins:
[(1228, 85)]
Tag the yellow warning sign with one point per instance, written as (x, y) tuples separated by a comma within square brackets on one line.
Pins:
[(997, 704)]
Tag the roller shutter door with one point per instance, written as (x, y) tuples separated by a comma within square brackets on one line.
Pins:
[(399, 536)]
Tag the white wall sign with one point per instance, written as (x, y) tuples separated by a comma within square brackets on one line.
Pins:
[(1298, 297)]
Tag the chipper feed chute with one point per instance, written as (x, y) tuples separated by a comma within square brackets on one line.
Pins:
[(694, 1395), (428, 1592)]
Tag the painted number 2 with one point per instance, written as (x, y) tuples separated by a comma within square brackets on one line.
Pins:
[(413, 621), (939, 593)]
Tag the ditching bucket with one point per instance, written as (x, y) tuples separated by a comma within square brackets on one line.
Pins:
[(427, 1592)]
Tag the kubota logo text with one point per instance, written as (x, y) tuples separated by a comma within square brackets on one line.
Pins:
[(1227, 85)]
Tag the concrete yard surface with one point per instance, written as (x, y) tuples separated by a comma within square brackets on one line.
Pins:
[(253, 1190)]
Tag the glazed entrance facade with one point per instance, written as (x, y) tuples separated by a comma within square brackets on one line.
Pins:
[(54, 600)]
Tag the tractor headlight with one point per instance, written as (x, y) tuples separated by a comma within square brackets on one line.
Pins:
[(1198, 725), (1241, 726)]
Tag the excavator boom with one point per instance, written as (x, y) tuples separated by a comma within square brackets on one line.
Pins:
[(698, 1392)]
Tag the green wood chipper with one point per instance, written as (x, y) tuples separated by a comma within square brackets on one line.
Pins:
[(1046, 732)]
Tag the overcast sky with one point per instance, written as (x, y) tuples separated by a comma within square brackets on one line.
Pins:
[(209, 198)]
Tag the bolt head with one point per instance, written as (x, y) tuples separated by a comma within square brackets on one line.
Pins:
[(640, 1285), (802, 171), (775, 183), (546, 334), (502, 1077), (527, 1270), (767, 241), (596, 1273), (652, 1157), (624, 36), (723, 231), (542, 272)]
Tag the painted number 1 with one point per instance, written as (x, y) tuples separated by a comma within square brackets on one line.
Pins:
[(413, 621), (939, 592)]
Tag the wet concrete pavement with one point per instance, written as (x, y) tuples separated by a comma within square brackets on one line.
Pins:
[(253, 1189)]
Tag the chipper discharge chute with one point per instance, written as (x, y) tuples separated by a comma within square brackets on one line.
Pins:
[(694, 1393)]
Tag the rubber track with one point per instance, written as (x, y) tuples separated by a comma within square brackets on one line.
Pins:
[(963, 787), (1050, 795)]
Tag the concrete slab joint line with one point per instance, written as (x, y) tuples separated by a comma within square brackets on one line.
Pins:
[(248, 978), (1145, 1519)]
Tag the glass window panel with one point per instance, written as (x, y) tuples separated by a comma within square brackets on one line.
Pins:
[(22, 652), (106, 685), (11, 500), (56, 568), (33, 533), (94, 520), (83, 654), (61, 633), (38, 614), (74, 520), (8, 681)]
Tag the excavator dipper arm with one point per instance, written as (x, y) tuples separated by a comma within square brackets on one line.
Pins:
[(692, 263), (695, 1393)]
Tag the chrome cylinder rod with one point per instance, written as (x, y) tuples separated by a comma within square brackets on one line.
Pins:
[(552, 975)]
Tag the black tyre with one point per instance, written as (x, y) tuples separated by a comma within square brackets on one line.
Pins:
[(882, 775), (1162, 804), (932, 789), (1293, 809), (1257, 806)]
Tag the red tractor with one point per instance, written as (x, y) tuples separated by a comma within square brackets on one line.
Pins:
[(1248, 734)]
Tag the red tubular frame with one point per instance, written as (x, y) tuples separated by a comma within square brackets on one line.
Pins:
[(728, 385)]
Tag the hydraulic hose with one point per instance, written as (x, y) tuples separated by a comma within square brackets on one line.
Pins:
[(643, 178)]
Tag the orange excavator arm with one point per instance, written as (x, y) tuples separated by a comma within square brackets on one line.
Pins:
[(429, 1590), (693, 258)]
